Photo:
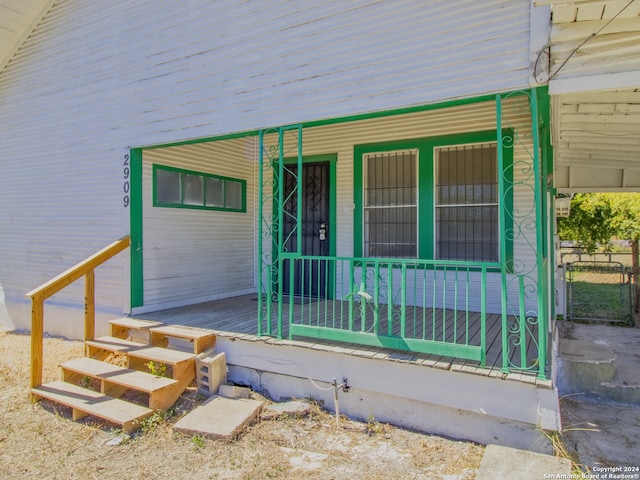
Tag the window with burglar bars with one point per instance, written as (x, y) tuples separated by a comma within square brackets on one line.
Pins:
[(467, 203), (390, 204)]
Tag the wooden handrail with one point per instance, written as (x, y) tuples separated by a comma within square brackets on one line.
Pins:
[(87, 265), (85, 268)]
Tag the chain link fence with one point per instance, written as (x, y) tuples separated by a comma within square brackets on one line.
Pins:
[(599, 291)]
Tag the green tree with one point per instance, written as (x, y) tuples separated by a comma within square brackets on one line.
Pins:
[(596, 218)]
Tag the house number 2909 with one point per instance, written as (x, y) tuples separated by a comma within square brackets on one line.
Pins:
[(126, 172)]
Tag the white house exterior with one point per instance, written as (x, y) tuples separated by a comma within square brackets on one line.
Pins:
[(102, 83), (112, 113)]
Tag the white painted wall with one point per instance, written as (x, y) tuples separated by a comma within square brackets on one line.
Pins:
[(190, 255), (94, 79)]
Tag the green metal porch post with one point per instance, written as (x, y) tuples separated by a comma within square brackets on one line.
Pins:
[(541, 250)]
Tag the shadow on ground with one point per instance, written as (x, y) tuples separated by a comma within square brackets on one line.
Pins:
[(598, 428)]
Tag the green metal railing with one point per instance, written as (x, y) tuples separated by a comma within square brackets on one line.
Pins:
[(436, 307)]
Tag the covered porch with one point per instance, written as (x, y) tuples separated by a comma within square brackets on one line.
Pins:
[(426, 231)]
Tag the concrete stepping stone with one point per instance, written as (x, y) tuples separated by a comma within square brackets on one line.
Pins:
[(220, 417), (505, 462)]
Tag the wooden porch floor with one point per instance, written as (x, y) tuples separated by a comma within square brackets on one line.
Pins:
[(239, 316)]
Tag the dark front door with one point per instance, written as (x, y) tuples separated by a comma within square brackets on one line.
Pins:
[(310, 276)]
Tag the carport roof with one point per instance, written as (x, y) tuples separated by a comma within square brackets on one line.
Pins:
[(595, 86)]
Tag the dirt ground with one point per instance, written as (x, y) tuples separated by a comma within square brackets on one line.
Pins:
[(40, 441)]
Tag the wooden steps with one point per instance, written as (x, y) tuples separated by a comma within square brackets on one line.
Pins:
[(85, 402), (115, 380), (101, 347), (162, 355), (133, 329), (196, 340), (136, 343)]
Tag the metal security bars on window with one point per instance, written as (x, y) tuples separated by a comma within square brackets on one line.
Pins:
[(467, 203), (390, 208)]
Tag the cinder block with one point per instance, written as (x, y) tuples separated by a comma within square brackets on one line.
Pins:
[(211, 371)]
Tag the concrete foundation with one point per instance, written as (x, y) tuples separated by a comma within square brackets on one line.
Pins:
[(454, 404)]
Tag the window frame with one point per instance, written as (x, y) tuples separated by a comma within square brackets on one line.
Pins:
[(426, 189), (436, 204), (365, 205), (204, 175)]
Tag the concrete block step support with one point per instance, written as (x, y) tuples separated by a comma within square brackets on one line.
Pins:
[(211, 371)]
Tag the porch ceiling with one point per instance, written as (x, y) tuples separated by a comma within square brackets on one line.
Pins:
[(18, 18), (597, 140), (595, 86)]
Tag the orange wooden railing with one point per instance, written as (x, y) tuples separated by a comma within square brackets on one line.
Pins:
[(85, 269)]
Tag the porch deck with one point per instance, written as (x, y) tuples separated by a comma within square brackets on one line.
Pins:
[(238, 316)]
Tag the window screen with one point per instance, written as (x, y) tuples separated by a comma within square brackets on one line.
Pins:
[(390, 209), (467, 203)]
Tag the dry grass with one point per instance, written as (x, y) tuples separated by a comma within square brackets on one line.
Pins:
[(40, 441)]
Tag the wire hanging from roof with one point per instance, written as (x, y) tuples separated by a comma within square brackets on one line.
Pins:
[(545, 50)]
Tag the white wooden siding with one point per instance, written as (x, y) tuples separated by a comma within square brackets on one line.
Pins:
[(192, 255), (595, 74), (96, 78)]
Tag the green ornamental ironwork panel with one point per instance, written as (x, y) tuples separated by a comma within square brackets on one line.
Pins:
[(524, 274), (274, 146)]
